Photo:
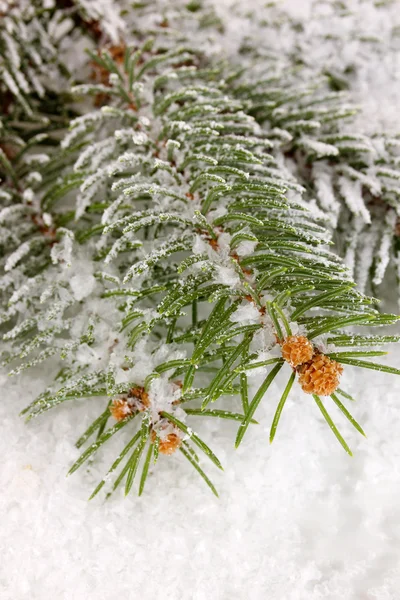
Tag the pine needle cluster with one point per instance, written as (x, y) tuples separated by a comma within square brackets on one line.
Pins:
[(162, 254)]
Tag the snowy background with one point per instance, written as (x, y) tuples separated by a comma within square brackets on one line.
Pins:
[(299, 520)]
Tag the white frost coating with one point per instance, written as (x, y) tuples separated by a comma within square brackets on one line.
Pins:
[(79, 125), (246, 314), (370, 181), (245, 248), (58, 29), (28, 195), (37, 158), (366, 249), (62, 251), (88, 190), (320, 149), (11, 213), (162, 394), (5, 195), (113, 79), (200, 246), (35, 81), (86, 355), (139, 137), (108, 13), (34, 177), (383, 255), (47, 219), (352, 241), (226, 276), (109, 212), (92, 150), (24, 290), (145, 121), (18, 255), (145, 359), (12, 86), (120, 244), (21, 80), (325, 193), (124, 135), (82, 285), (352, 195), (224, 243), (12, 51)]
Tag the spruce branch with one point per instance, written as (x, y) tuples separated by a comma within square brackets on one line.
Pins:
[(164, 258)]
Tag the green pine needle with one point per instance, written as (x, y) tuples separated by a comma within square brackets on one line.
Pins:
[(347, 414), (116, 463), (194, 437), (256, 401), (331, 424), (344, 394), (368, 365), (199, 470), (96, 445), (279, 409), (145, 471), (134, 463), (97, 424), (222, 414)]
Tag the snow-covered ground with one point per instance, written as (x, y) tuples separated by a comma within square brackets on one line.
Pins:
[(299, 520)]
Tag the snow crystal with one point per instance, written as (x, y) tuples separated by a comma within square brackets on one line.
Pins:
[(10, 82), (14, 258), (325, 192), (227, 276), (82, 285), (363, 248), (320, 149), (162, 394), (28, 195), (37, 158), (352, 195), (86, 355), (200, 246), (384, 249), (246, 314), (245, 248), (62, 251)]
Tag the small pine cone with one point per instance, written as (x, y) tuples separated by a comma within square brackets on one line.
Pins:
[(169, 444), (320, 376), (120, 409), (145, 399), (297, 349), (141, 396)]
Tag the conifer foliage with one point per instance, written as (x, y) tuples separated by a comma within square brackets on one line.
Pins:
[(304, 104), (161, 254)]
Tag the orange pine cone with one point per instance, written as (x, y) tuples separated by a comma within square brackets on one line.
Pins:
[(169, 444), (120, 409), (320, 375), (297, 349), (140, 394)]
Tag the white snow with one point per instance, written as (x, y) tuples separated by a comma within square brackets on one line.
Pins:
[(227, 276), (298, 520), (351, 192), (82, 282), (246, 314)]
